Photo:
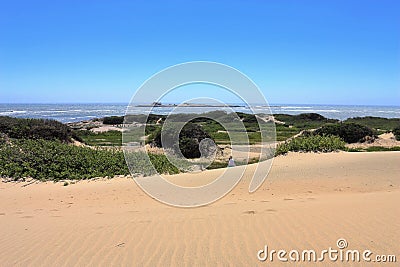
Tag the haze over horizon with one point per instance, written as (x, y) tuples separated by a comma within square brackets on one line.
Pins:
[(309, 52)]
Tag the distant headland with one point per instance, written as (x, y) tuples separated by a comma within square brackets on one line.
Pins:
[(161, 105)]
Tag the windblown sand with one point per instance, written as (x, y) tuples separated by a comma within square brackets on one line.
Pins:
[(308, 201)]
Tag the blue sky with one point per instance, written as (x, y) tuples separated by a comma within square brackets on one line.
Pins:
[(314, 52)]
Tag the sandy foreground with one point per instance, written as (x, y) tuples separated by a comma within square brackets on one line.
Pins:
[(308, 201)]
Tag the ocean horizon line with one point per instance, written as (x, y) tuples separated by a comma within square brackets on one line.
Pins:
[(86, 111), (179, 103)]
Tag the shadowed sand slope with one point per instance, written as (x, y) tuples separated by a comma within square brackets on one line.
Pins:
[(308, 201)]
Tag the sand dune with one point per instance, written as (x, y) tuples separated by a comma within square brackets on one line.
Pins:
[(308, 201)]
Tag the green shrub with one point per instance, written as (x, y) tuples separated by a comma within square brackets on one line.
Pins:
[(396, 132), (211, 126), (380, 148), (354, 149), (113, 120), (349, 132), (189, 139), (304, 120), (376, 122), (53, 160), (313, 143), (139, 164), (373, 149), (35, 129), (217, 165), (245, 117)]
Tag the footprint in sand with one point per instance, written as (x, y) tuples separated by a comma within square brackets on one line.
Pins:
[(250, 212), (271, 210)]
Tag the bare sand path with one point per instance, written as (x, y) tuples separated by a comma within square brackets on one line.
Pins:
[(309, 201)]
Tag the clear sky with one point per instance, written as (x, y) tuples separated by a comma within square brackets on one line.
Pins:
[(315, 52)]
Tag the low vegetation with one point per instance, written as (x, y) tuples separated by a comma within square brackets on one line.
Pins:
[(305, 120), (292, 124), (377, 123), (109, 138), (53, 160), (35, 129), (211, 123), (41, 149), (139, 164), (284, 131), (312, 143), (190, 137), (373, 149), (396, 132), (223, 164), (113, 120), (349, 132)]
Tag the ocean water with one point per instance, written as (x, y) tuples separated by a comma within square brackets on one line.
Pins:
[(80, 112)]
